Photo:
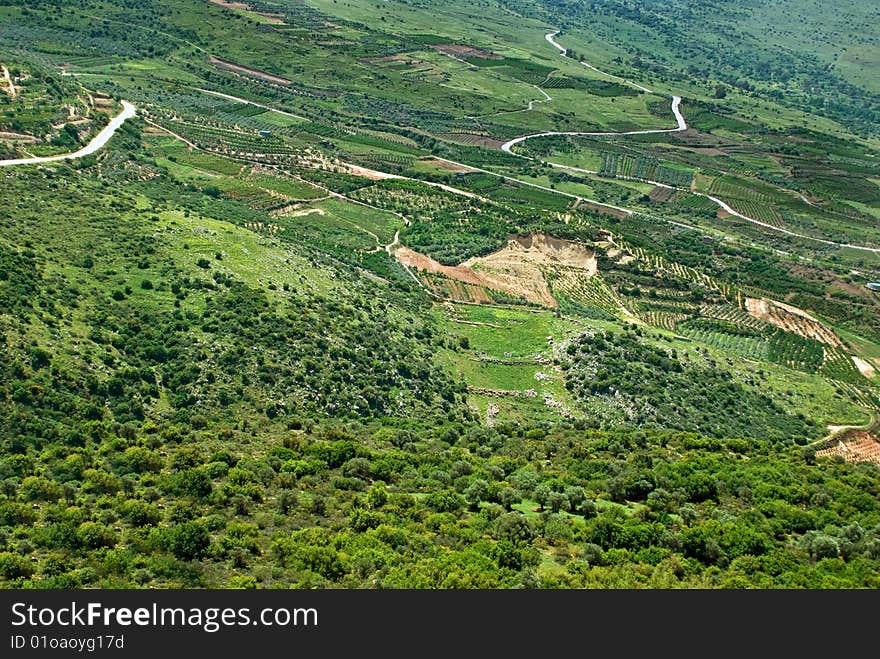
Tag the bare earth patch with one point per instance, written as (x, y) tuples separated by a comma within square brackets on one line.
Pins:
[(620, 257), (102, 102), (10, 87), (517, 269), (371, 174), (272, 18), (661, 194), (864, 367), (791, 319), (388, 59), (262, 75), (859, 446), (307, 211), (580, 203)]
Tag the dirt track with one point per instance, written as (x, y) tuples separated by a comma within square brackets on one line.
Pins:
[(256, 73), (676, 101), (11, 88), (682, 126), (98, 141), (864, 367), (247, 102)]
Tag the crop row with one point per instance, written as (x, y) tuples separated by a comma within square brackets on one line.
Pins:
[(665, 319), (643, 167), (685, 272), (862, 395), (757, 211), (733, 315), (750, 347), (839, 365), (591, 290), (796, 351)]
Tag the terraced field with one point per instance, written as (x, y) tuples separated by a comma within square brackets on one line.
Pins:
[(357, 294)]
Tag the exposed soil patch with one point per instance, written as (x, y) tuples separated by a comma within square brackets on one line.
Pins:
[(546, 250), (703, 150), (791, 319), (501, 392), (858, 446), (864, 367), (419, 261), (452, 289), (273, 19), (693, 138), (102, 102), (387, 59), (598, 208), (852, 289), (620, 257), (517, 269), (276, 19), (256, 73), (463, 52), (10, 88), (371, 174), (307, 211)]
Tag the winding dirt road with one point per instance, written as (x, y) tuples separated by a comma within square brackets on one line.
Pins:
[(676, 101), (682, 126), (98, 141), (564, 52), (390, 246)]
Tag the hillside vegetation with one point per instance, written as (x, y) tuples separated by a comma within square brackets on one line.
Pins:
[(302, 322)]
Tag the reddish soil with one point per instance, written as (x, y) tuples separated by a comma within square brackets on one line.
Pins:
[(791, 319), (412, 258), (517, 269), (857, 446), (458, 291)]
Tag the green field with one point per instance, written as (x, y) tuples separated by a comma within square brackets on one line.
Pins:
[(220, 369)]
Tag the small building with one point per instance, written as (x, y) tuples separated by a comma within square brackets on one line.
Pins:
[(874, 285), (265, 133)]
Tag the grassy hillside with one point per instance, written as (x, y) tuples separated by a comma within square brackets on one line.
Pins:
[(302, 323), (803, 55)]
